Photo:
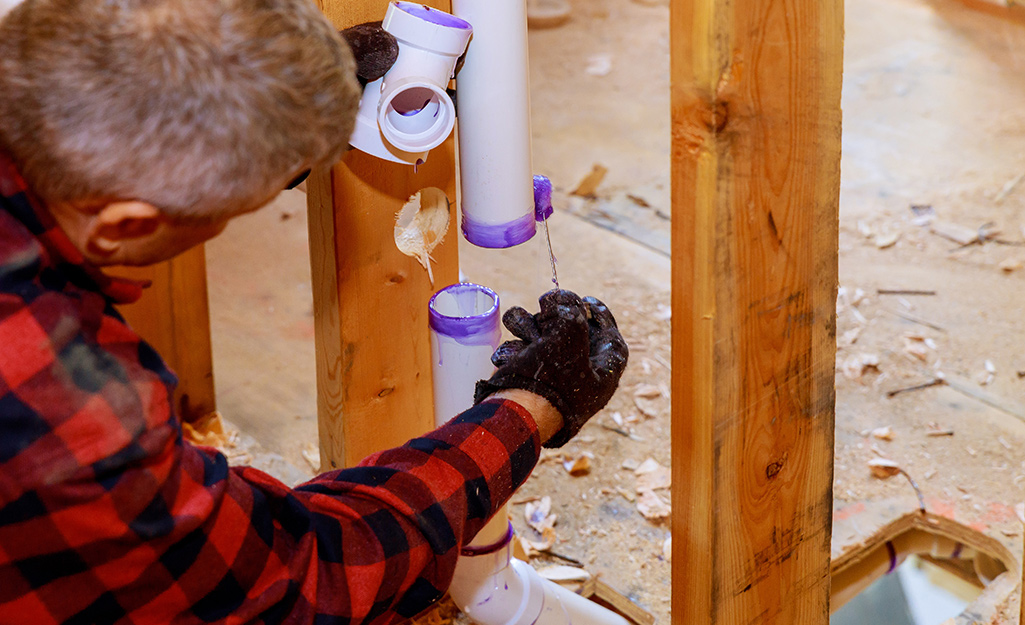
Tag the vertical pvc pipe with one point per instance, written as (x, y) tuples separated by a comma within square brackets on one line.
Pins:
[(465, 331), (492, 95)]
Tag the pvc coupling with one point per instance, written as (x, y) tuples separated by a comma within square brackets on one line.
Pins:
[(408, 112)]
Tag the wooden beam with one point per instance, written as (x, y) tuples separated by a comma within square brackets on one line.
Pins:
[(755, 166), (173, 316), (370, 300)]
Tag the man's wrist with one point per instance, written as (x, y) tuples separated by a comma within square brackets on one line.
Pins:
[(547, 418)]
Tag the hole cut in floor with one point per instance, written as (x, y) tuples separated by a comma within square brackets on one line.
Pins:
[(918, 592)]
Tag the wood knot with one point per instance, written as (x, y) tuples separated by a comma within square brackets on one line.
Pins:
[(773, 469), (397, 278), (386, 391)]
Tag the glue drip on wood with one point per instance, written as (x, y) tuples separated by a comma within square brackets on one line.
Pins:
[(542, 211), (421, 225)]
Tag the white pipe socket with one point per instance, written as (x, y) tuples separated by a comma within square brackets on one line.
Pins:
[(497, 589), (408, 112), (492, 90), (465, 331)]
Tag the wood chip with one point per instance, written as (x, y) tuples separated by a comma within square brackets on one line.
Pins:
[(858, 364), (630, 465), (581, 465), (311, 454), (667, 549), (886, 239), (1009, 265), (652, 506), (883, 468), (883, 434), (538, 514), (588, 186), (957, 233), (648, 407), (626, 494), (564, 573), (647, 391), (652, 476)]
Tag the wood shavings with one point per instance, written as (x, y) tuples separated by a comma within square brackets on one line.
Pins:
[(311, 454), (647, 407), (883, 468), (578, 466), (626, 494), (651, 475), (630, 464), (957, 233), (1019, 509), (588, 186), (208, 431), (647, 391), (850, 337), (1010, 265), (857, 365), (563, 573), (883, 433), (886, 239), (421, 225), (539, 516), (652, 506), (667, 549)]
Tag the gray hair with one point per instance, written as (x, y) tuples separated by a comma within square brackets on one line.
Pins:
[(200, 107)]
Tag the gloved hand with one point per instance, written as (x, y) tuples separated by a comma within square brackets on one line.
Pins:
[(374, 49), (571, 353)]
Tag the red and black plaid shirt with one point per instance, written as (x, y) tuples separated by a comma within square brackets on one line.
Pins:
[(107, 516)]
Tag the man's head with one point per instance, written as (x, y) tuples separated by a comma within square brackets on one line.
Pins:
[(175, 115)]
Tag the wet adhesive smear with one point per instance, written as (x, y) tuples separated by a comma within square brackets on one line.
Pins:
[(542, 211), (421, 225)]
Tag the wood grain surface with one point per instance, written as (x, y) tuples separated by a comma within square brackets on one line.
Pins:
[(370, 300), (755, 157)]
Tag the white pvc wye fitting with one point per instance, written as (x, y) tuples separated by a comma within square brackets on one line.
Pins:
[(464, 320), (408, 112), (496, 589), (492, 90)]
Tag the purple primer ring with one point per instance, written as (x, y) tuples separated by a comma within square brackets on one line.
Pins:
[(893, 557), (472, 329), (434, 16), (497, 236), (542, 198), (471, 551)]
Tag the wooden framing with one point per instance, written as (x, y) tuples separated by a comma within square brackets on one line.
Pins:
[(173, 315), (370, 301), (755, 158)]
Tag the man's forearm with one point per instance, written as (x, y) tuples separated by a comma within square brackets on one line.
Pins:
[(548, 419)]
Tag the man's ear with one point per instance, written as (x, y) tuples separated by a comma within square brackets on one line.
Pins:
[(119, 222)]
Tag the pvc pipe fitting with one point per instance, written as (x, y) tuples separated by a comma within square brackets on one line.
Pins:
[(497, 589), (465, 331), (492, 91), (408, 112)]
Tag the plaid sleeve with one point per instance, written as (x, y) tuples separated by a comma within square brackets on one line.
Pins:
[(107, 516)]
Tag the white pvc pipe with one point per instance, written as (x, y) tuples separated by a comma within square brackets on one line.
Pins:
[(489, 585), (408, 112), (492, 92), (497, 589)]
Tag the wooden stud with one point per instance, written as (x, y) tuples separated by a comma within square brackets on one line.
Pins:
[(756, 174), (370, 300), (173, 316)]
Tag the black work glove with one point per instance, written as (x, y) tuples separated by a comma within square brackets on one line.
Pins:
[(374, 49), (570, 353)]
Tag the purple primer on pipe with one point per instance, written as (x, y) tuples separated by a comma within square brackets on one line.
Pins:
[(471, 328), (496, 236), (434, 16), (542, 198)]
